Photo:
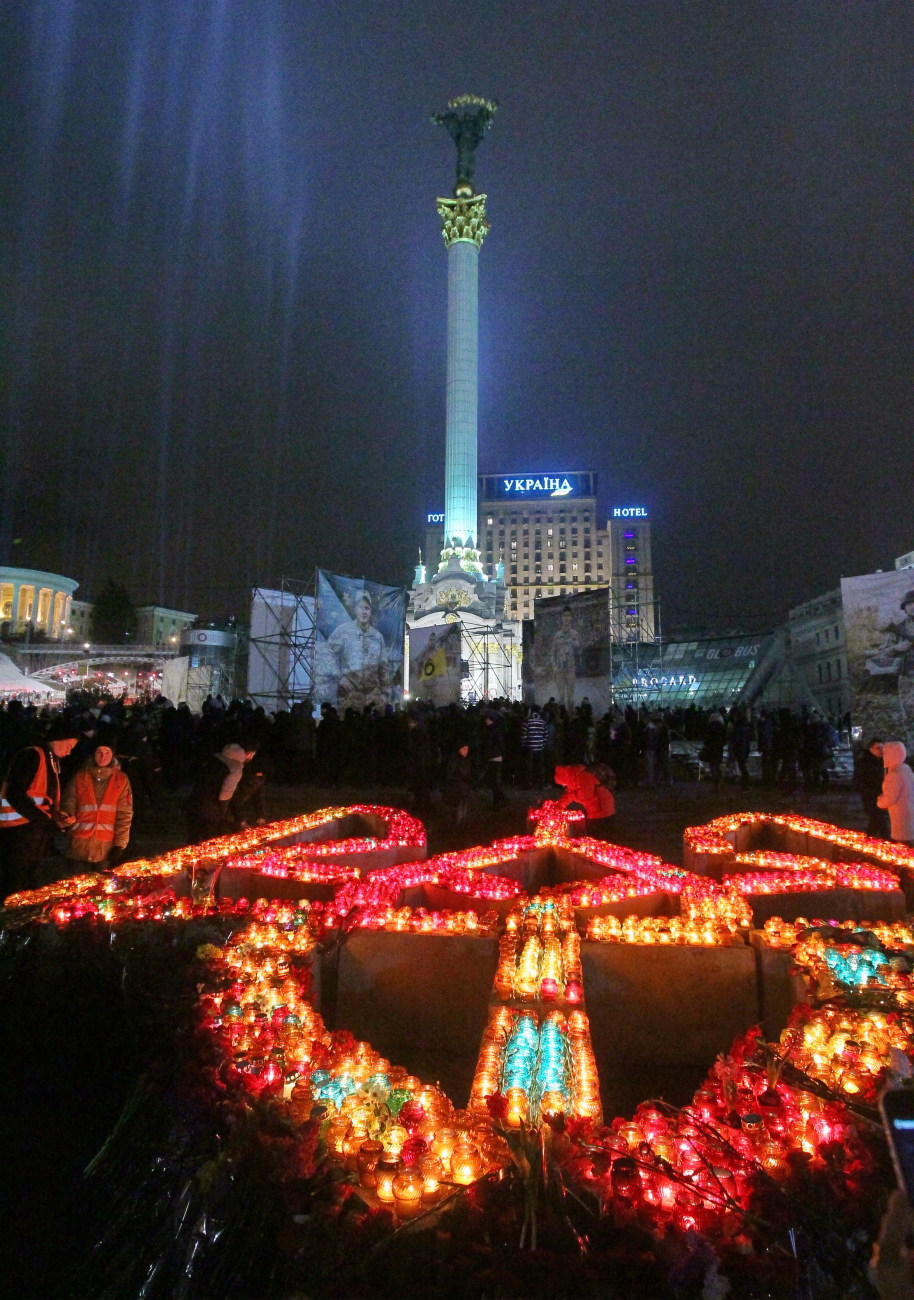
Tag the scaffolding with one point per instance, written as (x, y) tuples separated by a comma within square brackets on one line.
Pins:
[(282, 642), (491, 654), (635, 654)]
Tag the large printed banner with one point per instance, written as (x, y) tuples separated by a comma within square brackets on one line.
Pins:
[(358, 653), (434, 663), (879, 627), (570, 649)]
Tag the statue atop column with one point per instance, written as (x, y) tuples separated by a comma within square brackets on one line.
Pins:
[(466, 129)]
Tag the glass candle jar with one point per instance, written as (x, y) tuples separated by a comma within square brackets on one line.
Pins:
[(432, 1172), (367, 1158), (466, 1163), (408, 1186), (394, 1138), (443, 1144), (385, 1173)]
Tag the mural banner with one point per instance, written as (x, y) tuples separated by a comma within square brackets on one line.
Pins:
[(434, 663), (570, 649), (879, 628), (358, 653)]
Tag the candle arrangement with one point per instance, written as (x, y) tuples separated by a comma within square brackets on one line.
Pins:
[(665, 930), (767, 1116), (718, 837), (774, 873)]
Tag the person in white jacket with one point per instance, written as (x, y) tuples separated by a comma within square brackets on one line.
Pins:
[(898, 791)]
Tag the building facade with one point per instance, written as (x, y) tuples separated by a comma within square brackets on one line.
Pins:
[(818, 650), (34, 601), (158, 626), (544, 530), (78, 626)]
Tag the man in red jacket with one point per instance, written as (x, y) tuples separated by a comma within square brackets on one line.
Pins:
[(30, 810)]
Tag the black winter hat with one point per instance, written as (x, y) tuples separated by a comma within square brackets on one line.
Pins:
[(63, 728)]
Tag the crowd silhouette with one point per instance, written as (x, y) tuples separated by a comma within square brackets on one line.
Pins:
[(509, 745)]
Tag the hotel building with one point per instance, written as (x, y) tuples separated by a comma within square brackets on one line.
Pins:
[(543, 529)]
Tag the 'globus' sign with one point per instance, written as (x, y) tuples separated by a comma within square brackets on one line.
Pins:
[(629, 512)]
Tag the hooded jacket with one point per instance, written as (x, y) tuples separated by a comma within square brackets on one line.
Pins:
[(898, 790), (583, 787)]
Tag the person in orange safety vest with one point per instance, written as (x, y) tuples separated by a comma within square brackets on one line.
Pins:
[(101, 801), (30, 810)]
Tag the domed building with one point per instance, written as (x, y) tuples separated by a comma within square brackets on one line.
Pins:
[(31, 596)]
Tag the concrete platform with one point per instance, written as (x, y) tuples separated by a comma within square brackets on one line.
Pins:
[(660, 1015), (421, 999)]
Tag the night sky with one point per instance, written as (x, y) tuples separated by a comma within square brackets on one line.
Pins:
[(223, 285)]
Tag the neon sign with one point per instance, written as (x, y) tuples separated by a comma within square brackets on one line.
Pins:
[(629, 512), (435, 517), (538, 487), (556, 487), (647, 682)]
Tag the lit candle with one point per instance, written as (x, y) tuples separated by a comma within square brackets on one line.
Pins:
[(408, 1186), (385, 1172), (466, 1163)]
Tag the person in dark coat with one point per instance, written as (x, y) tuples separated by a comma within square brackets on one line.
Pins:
[(715, 736), (458, 783), (328, 745), (209, 806), (248, 805), (493, 753), (740, 744), (422, 759)]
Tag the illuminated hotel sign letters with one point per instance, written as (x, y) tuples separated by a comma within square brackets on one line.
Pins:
[(521, 488), (629, 512), (557, 487), (435, 517)]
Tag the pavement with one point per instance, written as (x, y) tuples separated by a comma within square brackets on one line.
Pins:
[(649, 820)]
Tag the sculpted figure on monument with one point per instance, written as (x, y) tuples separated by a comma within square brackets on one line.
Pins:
[(466, 130)]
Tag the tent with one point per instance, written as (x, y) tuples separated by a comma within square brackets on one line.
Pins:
[(15, 683)]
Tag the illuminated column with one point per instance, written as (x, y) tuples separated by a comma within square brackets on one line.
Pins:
[(464, 227)]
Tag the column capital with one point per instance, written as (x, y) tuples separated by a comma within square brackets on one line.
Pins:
[(463, 218)]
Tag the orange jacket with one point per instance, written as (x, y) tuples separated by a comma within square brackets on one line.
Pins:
[(37, 791), (581, 786), (96, 813)]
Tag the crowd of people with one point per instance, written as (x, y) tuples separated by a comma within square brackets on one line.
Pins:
[(76, 774)]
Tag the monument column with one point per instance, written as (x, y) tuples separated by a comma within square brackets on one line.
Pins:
[(464, 227)]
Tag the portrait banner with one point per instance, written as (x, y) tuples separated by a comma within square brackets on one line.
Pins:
[(879, 633), (434, 664), (571, 651), (359, 637)]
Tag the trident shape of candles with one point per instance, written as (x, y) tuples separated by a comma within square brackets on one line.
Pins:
[(403, 1140)]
